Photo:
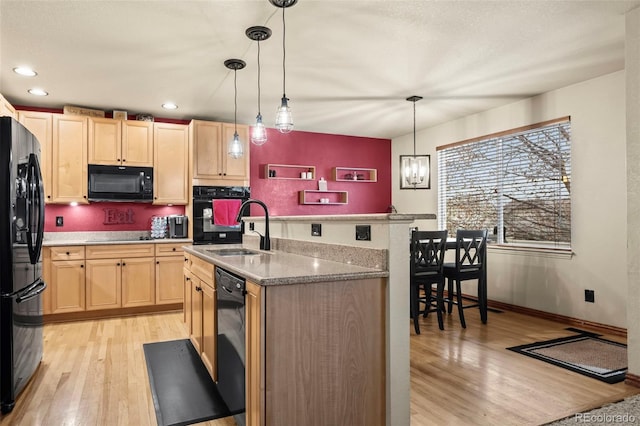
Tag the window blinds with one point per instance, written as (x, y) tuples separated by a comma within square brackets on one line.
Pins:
[(516, 184)]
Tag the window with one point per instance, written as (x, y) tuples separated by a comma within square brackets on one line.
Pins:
[(516, 184)]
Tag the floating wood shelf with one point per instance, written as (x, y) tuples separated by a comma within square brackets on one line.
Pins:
[(311, 196), (354, 174), (288, 171)]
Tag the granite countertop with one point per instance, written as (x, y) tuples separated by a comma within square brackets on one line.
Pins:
[(106, 237), (278, 267)]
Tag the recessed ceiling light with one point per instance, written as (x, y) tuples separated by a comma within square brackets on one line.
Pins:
[(38, 92), (169, 105), (26, 71)]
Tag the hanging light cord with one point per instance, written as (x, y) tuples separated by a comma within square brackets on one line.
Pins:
[(235, 101), (284, 54), (414, 129), (259, 77)]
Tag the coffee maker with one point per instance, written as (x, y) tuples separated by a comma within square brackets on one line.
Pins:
[(177, 226)]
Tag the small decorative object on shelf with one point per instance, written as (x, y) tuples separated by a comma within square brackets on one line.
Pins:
[(322, 184)]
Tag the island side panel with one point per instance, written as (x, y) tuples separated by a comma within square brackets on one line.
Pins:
[(325, 353)]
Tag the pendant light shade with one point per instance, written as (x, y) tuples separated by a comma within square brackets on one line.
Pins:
[(235, 148), (258, 131), (284, 119), (415, 171)]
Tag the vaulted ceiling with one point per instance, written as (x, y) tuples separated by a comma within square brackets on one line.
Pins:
[(350, 64)]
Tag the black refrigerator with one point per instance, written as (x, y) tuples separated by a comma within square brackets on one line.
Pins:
[(21, 284)]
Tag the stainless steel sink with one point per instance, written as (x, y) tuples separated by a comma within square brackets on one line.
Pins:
[(233, 252)]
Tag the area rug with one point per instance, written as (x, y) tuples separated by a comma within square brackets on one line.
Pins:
[(585, 353), (183, 392)]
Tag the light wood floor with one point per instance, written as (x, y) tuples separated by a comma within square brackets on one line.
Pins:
[(94, 373)]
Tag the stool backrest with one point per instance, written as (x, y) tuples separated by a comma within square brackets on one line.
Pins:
[(427, 251), (471, 246)]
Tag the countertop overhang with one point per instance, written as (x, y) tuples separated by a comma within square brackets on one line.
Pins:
[(276, 267)]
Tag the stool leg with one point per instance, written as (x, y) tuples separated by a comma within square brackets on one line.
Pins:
[(415, 307), (450, 295), (482, 299), (440, 303), (460, 307), (427, 298)]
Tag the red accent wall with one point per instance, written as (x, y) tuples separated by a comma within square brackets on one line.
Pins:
[(91, 217), (324, 151)]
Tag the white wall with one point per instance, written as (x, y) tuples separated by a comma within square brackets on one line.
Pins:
[(553, 283)]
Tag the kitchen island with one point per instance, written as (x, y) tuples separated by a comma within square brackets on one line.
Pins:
[(315, 334)]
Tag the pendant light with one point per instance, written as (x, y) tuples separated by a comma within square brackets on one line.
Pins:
[(284, 120), (415, 171), (258, 132), (235, 149)]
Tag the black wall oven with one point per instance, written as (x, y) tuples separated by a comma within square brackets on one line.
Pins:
[(214, 212)]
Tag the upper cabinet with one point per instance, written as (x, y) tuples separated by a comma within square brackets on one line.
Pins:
[(69, 159), (6, 109), (211, 165), (170, 165), (41, 125), (120, 142)]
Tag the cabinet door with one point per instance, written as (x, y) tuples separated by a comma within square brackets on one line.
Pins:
[(138, 282), (253, 362), (196, 313), (41, 125), (69, 159), (137, 143), (67, 286), (169, 281), (205, 139), (105, 141), (104, 284), (209, 329), (235, 170), (186, 307), (6, 109), (170, 184)]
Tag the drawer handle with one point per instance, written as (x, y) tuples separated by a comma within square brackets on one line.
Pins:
[(68, 253), (187, 278), (82, 266), (117, 264), (174, 249)]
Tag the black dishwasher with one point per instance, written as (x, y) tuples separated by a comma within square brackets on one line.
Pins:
[(231, 344)]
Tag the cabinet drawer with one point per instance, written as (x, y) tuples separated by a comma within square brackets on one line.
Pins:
[(187, 261), (116, 251), (169, 249), (203, 269), (67, 253)]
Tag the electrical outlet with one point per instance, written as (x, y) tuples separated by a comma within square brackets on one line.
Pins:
[(252, 226), (316, 229), (363, 232), (59, 221), (590, 296)]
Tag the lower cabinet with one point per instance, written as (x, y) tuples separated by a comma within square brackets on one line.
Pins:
[(117, 279), (112, 276), (65, 278), (200, 315), (253, 361), (169, 261)]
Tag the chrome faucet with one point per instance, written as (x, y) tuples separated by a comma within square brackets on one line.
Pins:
[(265, 242)]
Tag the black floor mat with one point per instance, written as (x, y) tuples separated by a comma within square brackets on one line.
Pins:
[(183, 392)]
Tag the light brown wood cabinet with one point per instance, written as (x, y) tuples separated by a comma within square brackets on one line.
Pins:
[(210, 163), (200, 314), (254, 355), (69, 159), (6, 109), (65, 279), (41, 125), (120, 142), (169, 276), (120, 276), (170, 164)]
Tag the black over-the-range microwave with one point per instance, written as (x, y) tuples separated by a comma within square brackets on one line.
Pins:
[(120, 183)]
